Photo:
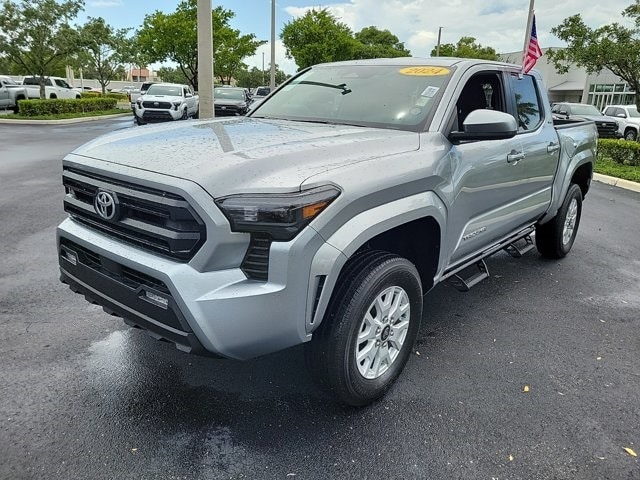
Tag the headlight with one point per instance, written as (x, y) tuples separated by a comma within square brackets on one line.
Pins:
[(282, 216), (176, 105)]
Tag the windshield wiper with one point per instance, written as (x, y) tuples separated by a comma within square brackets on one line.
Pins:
[(342, 86)]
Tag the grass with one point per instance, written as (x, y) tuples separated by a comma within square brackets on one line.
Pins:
[(607, 166), (66, 116)]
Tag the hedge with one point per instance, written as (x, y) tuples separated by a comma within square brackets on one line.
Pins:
[(34, 108), (620, 151), (117, 96)]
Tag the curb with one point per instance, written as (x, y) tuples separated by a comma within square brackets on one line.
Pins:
[(66, 121), (617, 182)]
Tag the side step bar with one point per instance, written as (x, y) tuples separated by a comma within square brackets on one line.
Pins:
[(465, 284), (518, 248), (515, 245)]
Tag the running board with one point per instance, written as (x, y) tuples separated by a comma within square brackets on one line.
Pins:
[(518, 248), (464, 284)]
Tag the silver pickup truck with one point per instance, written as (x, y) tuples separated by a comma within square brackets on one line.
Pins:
[(325, 215)]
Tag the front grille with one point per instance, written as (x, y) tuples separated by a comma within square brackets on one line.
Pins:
[(227, 110), (162, 105), (607, 129), (156, 115), (154, 220), (256, 261)]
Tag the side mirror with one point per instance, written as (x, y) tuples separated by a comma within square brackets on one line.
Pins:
[(621, 115), (188, 95), (486, 124), (564, 112)]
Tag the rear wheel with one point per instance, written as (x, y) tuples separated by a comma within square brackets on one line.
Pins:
[(369, 329), (555, 238)]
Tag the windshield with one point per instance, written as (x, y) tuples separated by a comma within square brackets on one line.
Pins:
[(8, 81), (584, 110), (230, 93), (169, 90), (388, 96)]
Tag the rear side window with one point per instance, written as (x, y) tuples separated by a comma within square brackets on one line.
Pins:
[(527, 102)]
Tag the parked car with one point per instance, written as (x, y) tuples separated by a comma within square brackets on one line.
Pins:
[(11, 93), (166, 102), (607, 126), (231, 101), (323, 217), (628, 118), (55, 87), (261, 92)]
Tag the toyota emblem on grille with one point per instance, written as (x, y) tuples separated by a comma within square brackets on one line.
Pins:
[(155, 104), (106, 204)]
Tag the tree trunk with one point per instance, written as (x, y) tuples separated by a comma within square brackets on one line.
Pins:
[(43, 92)]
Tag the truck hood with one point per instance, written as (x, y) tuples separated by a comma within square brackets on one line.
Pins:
[(242, 155), (162, 98)]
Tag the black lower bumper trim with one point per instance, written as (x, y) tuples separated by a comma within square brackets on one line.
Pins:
[(130, 303)]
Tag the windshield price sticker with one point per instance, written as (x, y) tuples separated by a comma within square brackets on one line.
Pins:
[(425, 71)]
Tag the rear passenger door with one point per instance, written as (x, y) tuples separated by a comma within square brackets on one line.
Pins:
[(4, 95), (538, 139)]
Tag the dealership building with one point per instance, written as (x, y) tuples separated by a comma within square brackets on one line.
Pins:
[(577, 85)]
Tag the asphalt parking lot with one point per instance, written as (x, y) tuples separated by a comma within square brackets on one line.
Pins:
[(84, 396)]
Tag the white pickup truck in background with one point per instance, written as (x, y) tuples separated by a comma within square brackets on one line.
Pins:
[(54, 87), (166, 102), (11, 93)]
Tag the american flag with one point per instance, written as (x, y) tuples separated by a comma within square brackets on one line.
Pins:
[(533, 52)]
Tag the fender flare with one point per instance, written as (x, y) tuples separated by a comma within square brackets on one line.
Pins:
[(329, 260)]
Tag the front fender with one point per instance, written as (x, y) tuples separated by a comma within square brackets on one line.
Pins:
[(344, 242)]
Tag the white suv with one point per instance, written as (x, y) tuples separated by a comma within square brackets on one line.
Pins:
[(628, 119)]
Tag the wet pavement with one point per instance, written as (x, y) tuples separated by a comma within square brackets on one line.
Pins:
[(83, 396)]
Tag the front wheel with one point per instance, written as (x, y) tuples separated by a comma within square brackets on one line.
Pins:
[(555, 238), (630, 135), (369, 329)]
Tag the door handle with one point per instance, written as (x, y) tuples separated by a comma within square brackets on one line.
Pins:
[(514, 157), (553, 147)]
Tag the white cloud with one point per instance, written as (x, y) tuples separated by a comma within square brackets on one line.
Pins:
[(287, 65), (499, 24)]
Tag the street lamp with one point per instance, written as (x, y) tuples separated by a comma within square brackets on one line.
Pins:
[(438, 46), (263, 68), (272, 82), (205, 59)]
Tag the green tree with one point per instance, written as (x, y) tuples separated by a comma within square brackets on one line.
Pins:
[(318, 37), (174, 37), (466, 48), (172, 75), (232, 49), (36, 36), (376, 43), (613, 46), (103, 50), (256, 77)]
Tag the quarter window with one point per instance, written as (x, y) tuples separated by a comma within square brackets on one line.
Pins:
[(527, 102)]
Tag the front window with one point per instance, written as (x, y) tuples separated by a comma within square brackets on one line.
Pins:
[(166, 90), (633, 112), (387, 96)]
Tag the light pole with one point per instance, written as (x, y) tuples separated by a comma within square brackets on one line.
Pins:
[(205, 59), (438, 46), (263, 68), (272, 82)]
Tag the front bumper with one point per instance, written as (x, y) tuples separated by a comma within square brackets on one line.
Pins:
[(152, 115), (217, 312)]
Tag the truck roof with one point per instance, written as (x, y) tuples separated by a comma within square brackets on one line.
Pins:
[(434, 61)]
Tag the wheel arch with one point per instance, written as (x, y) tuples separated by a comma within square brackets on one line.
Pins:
[(411, 227)]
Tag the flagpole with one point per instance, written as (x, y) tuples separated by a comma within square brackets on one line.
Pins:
[(527, 35)]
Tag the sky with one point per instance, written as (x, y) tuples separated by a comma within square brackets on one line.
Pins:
[(499, 24)]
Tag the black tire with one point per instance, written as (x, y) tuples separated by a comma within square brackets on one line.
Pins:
[(630, 135), (138, 121), (16, 107), (53, 96), (331, 354), (185, 115), (550, 237)]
